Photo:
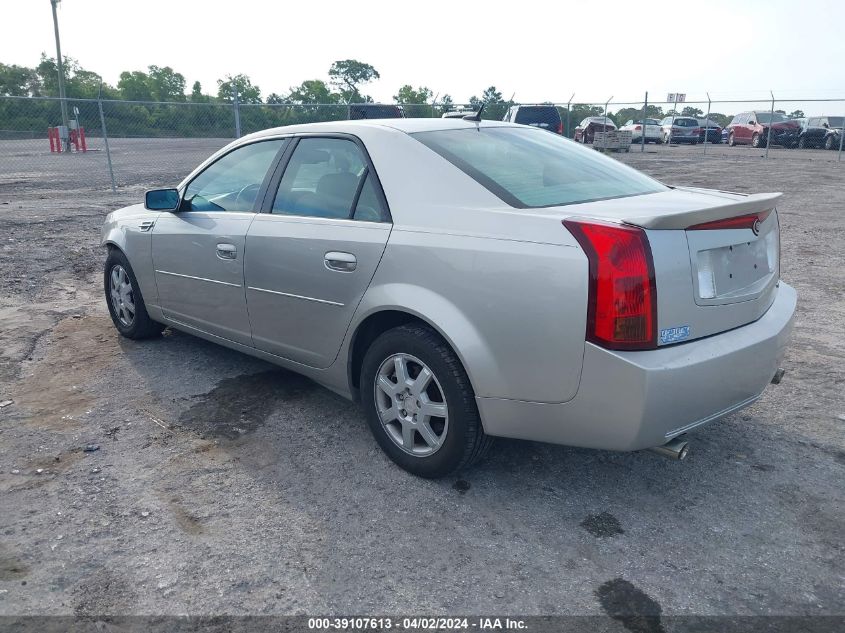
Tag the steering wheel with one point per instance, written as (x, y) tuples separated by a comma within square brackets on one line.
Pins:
[(251, 188)]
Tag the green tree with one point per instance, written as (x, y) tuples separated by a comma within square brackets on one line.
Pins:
[(494, 106), (348, 75), (408, 95), (274, 99), (19, 81), (196, 94), (313, 91), (165, 84), (247, 92), (693, 112), (624, 115), (797, 114), (135, 86), (79, 83)]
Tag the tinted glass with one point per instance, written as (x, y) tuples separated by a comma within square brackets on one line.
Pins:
[(322, 179), (375, 111), (369, 207), (545, 117), (835, 121), (232, 182), (686, 122), (527, 168), (766, 117)]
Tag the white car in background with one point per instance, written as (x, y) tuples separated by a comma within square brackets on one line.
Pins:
[(652, 130)]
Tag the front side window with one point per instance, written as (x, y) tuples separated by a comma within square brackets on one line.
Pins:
[(232, 182), (323, 179), (528, 168)]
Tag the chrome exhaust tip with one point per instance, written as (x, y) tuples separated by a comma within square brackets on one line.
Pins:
[(676, 448), (778, 376)]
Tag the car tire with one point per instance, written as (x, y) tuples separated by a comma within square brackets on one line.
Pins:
[(124, 300), (731, 140), (431, 446), (757, 141), (828, 142), (802, 143)]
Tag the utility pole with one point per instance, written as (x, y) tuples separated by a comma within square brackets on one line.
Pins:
[(61, 66)]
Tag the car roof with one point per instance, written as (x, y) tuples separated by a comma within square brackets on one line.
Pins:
[(409, 126)]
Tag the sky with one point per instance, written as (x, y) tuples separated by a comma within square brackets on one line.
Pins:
[(546, 52)]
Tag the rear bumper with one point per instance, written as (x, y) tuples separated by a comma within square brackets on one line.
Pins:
[(634, 400)]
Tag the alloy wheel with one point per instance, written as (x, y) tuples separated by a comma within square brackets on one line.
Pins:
[(411, 405), (122, 299)]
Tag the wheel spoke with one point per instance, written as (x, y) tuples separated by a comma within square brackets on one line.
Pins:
[(428, 434), (401, 368), (407, 435), (433, 409), (115, 297), (388, 415), (387, 386), (129, 306), (421, 381), (115, 278)]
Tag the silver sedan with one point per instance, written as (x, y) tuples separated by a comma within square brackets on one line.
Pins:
[(465, 279)]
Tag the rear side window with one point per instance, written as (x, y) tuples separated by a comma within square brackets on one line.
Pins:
[(329, 178), (527, 168)]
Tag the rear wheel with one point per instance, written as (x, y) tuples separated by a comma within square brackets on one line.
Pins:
[(731, 140), (419, 403), (802, 143), (123, 297), (828, 142)]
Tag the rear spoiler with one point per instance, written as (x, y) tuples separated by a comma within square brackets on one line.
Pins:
[(753, 203)]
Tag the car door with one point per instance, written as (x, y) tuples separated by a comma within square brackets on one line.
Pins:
[(311, 256), (198, 250)]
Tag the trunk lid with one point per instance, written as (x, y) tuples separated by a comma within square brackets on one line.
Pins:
[(710, 276)]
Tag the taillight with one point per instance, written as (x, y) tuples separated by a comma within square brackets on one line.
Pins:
[(560, 128), (622, 305), (750, 221), (697, 130), (638, 127)]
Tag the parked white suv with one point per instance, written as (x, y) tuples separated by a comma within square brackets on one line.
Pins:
[(652, 130)]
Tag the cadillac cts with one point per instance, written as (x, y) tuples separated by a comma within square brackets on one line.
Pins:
[(463, 280)]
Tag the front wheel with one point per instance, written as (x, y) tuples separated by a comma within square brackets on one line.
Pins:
[(731, 140), (419, 403), (123, 297), (757, 141), (828, 143)]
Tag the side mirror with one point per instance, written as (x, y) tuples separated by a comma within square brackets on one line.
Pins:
[(162, 200)]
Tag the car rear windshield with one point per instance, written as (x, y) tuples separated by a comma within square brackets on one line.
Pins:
[(529, 168), (686, 122), (544, 116), (766, 117)]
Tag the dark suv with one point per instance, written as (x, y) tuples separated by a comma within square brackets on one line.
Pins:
[(542, 116), (375, 111), (833, 125), (813, 133), (752, 128)]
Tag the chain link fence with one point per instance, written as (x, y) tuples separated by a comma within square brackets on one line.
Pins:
[(130, 143)]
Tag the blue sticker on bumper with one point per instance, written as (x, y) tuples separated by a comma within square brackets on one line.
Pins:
[(674, 334)]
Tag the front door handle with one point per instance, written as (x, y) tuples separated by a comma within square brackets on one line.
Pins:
[(227, 251), (341, 262)]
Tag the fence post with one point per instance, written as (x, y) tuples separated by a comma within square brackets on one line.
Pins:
[(237, 109), (771, 123), (645, 110), (568, 112), (105, 138), (707, 124), (841, 138)]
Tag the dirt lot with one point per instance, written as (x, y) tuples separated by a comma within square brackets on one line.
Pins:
[(224, 485)]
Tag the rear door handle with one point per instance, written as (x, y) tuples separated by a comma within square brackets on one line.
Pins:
[(227, 251), (341, 262)]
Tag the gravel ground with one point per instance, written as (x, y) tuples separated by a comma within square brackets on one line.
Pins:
[(223, 485)]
